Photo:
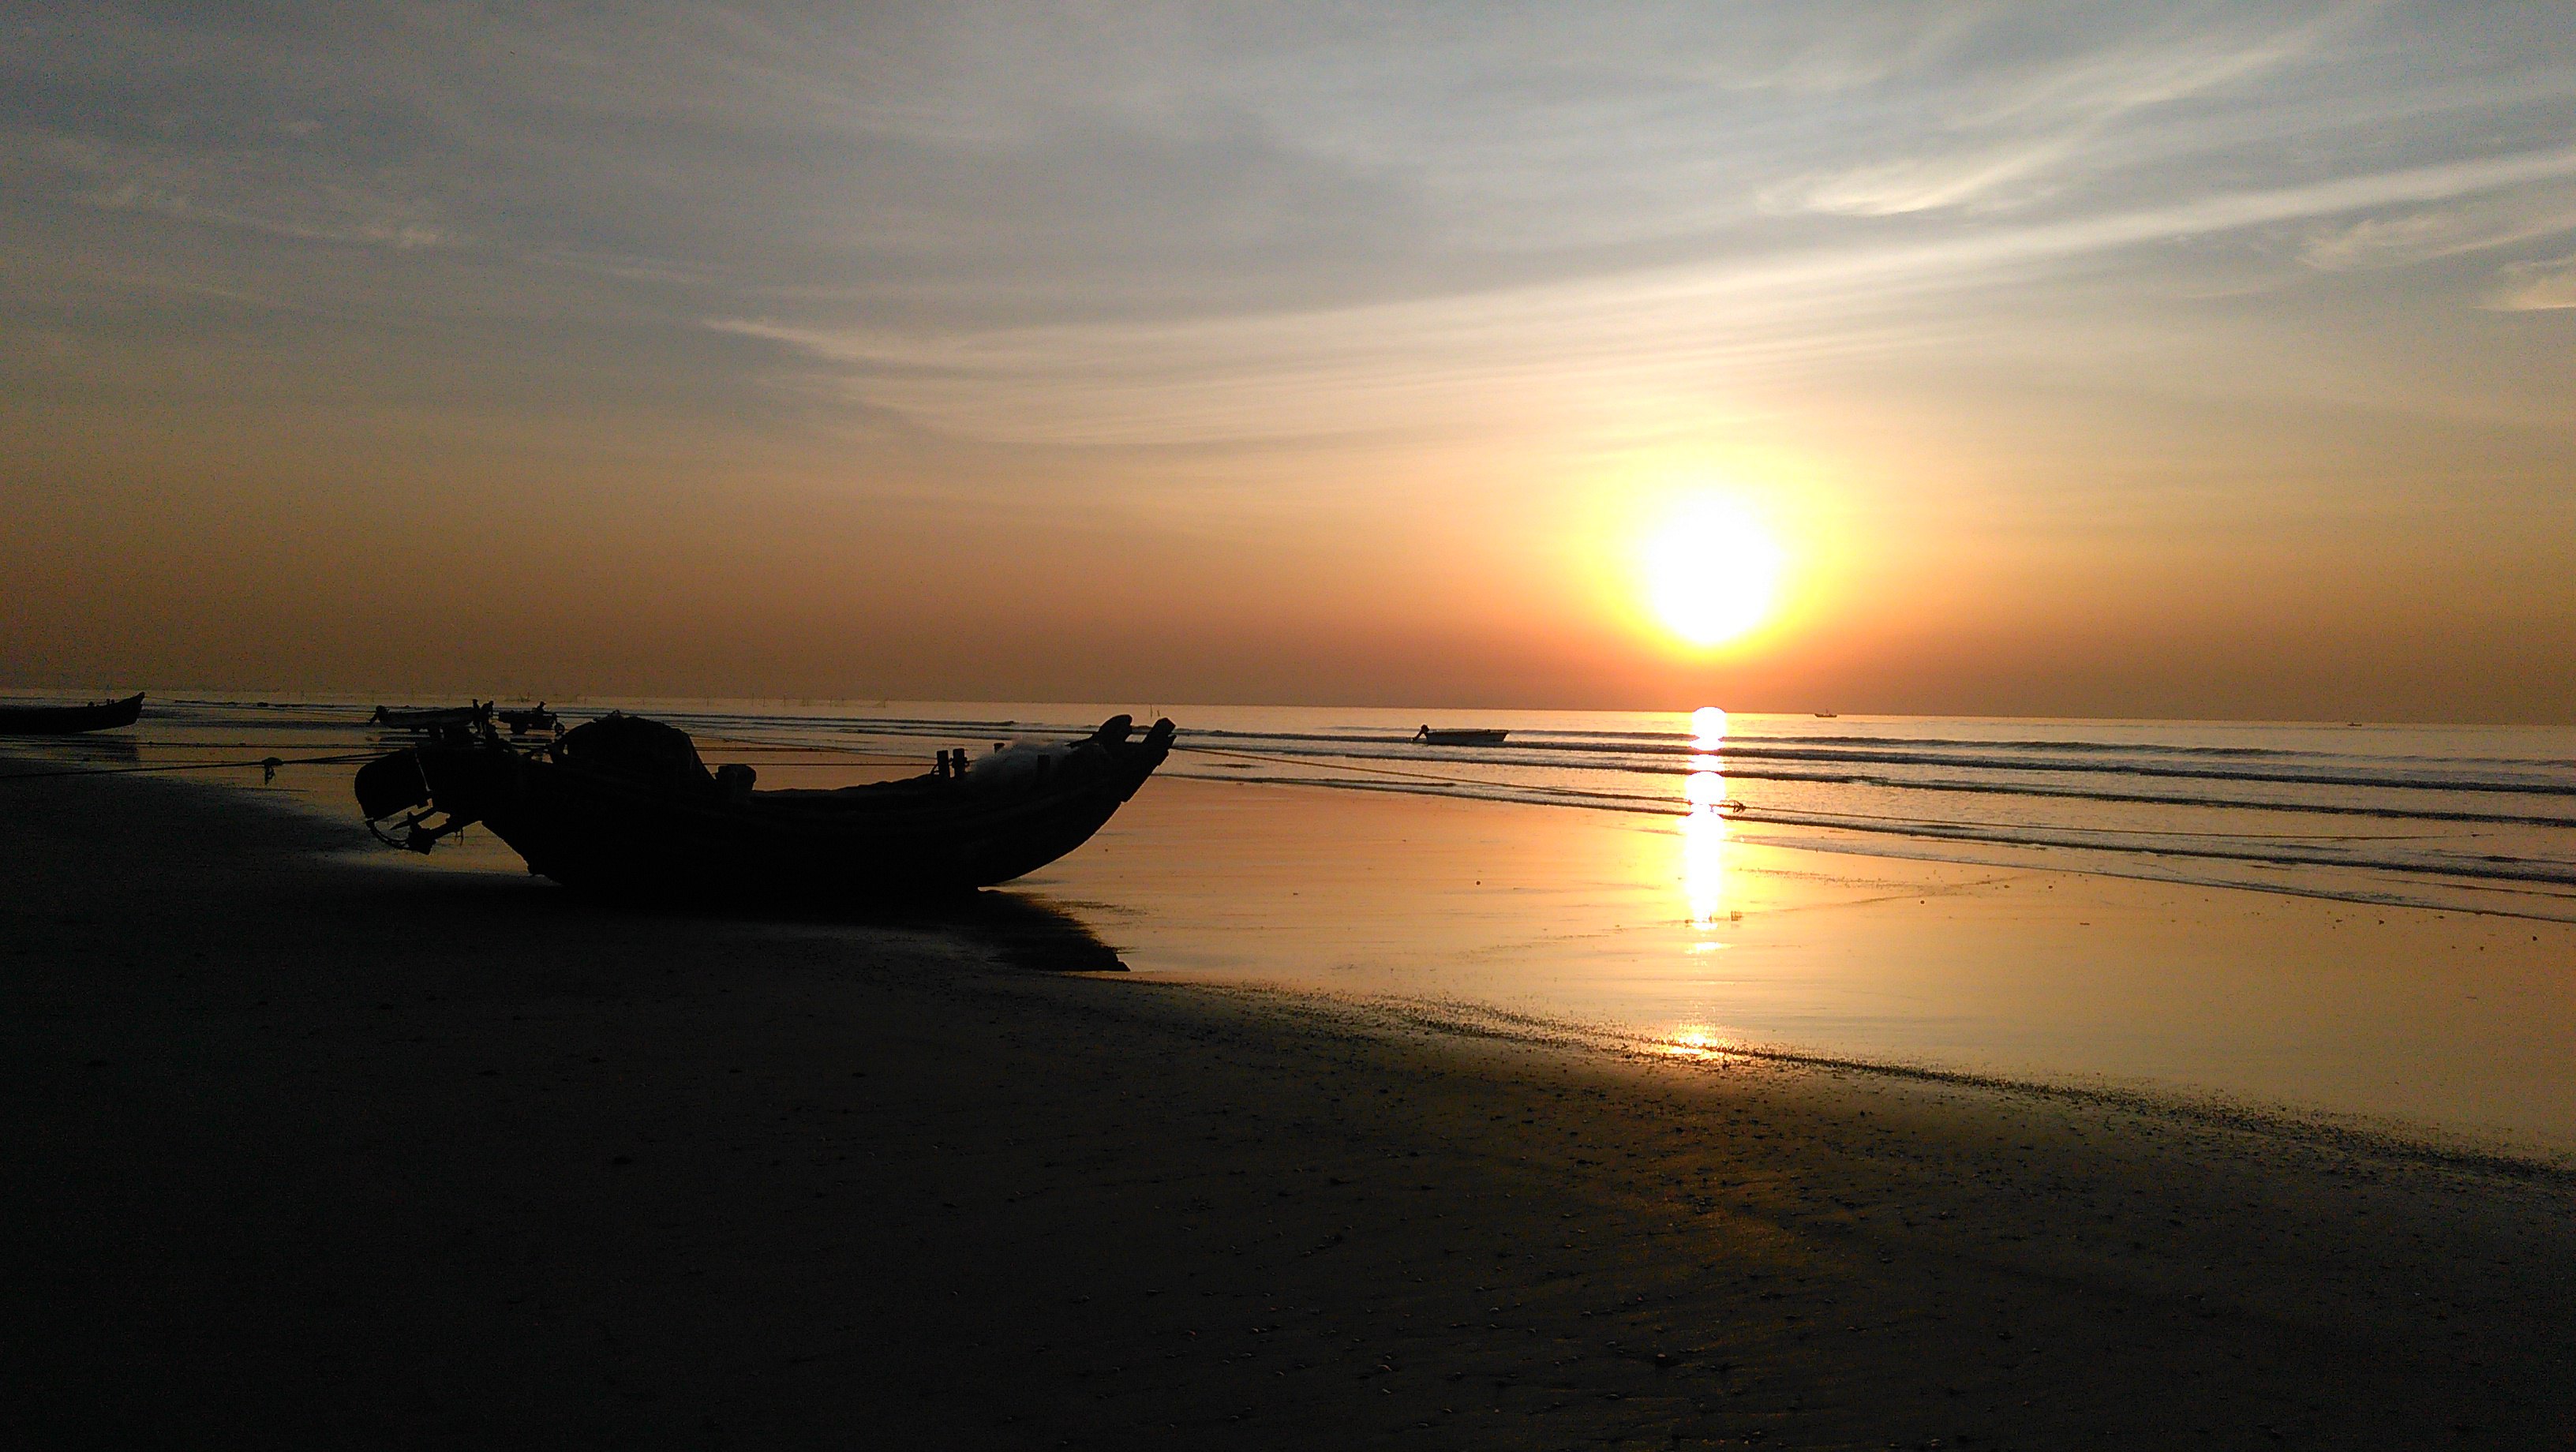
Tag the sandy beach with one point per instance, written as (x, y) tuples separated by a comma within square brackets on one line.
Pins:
[(1234, 727), (308, 1140)]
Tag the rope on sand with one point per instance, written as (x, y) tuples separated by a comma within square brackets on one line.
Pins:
[(265, 763)]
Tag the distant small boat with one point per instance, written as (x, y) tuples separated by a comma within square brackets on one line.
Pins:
[(1459, 736), (534, 718), (432, 720), (68, 720), (1825, 715)]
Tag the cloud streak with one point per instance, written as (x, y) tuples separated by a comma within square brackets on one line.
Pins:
[(1380, 365), (2543, 286)]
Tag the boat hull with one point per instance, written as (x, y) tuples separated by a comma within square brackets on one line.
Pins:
[(606, 834), (70, 720), (1429, 737)]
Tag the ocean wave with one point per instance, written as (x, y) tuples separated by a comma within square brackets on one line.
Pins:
[(2545, 872), (2543, 780)]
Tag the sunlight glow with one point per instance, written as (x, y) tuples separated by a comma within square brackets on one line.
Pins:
[(1704, 868), (1703, 829), (1694, 1042), (1703, 788), (1711, 571)]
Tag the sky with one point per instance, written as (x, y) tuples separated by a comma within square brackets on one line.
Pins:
[(2089, 359)]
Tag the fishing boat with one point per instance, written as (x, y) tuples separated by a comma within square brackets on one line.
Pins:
[(69, 720), (432, 720), (1459, 736), (532, 718), (624, 805)]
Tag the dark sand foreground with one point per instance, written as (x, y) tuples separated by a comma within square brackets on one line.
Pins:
[(305, 1145)]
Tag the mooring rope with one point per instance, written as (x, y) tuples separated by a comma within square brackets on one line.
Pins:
[(270, 763)]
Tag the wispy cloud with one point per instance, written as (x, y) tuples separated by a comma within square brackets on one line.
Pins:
[(2424, 234), (245, 193), (1434, 358), (2536, 286), (1170, 227), (1926, 184), (2018, 136), (354, 219)]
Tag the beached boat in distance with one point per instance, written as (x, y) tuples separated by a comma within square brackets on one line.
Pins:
[(69, 720), (431, 720), (624, 805), (1460, 736), (531, 718)]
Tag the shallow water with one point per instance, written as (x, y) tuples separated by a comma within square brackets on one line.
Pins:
[(2373, 921)]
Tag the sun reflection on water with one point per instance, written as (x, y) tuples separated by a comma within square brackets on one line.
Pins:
[(1703, 827), (1694, 1041), (1704, 872), (1704, 790)]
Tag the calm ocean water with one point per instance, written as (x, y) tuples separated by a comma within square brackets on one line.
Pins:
[(2372, 921), (2469, 818)]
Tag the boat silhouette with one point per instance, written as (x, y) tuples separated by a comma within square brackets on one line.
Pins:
[(432, 720), (70, 720), (624, 805), (1459, 736)]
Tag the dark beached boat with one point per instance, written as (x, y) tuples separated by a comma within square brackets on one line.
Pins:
[(431, 720), (68, 720), (1459, 736), (532, 718), (624, 805)]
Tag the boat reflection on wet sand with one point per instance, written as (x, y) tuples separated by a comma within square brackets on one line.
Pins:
[(1017, 931)]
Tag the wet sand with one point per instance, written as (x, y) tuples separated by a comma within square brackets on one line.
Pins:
[(2037, 971), (309, 1143)]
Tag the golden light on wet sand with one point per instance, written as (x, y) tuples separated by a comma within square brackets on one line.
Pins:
[(1694, 1042), (1711, 571), (1703, 836)]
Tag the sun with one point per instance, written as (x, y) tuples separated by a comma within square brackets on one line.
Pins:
[(1711, 571)]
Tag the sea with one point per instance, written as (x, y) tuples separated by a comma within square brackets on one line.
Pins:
[(2368, 927)]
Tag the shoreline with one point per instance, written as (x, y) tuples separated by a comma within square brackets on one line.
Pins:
[(312, 1143), (2343, 1132), (2392, 1137), (2450, 1026)]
